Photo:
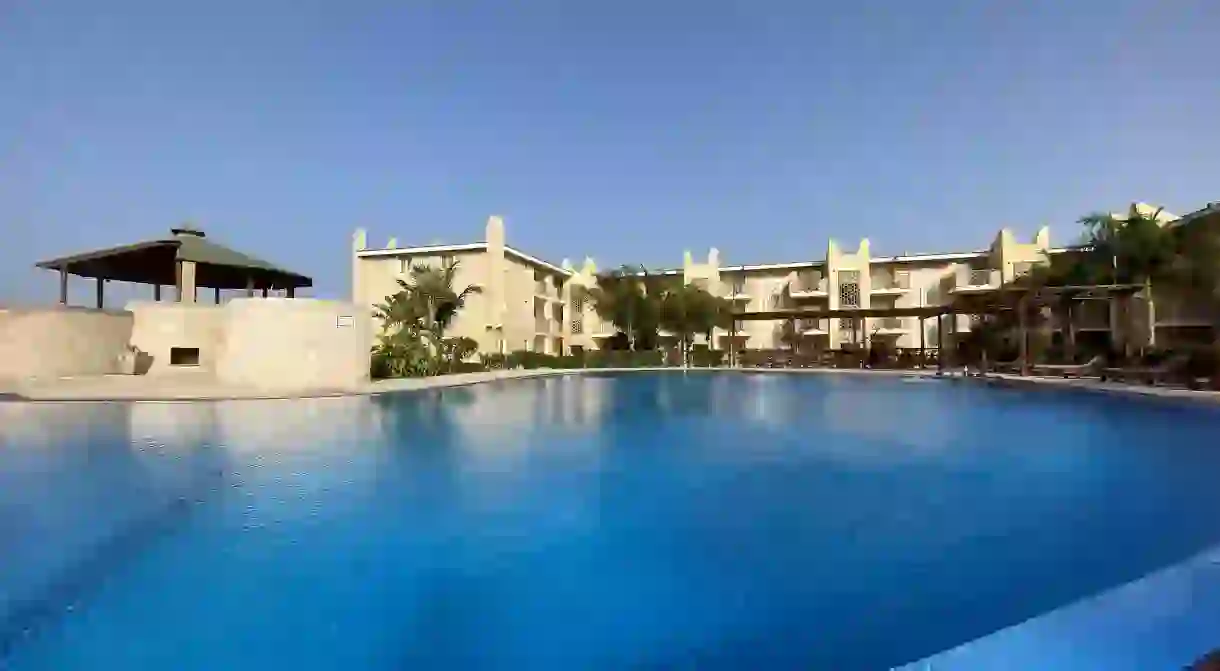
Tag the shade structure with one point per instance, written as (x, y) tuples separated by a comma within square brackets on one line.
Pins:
[(157, 262)]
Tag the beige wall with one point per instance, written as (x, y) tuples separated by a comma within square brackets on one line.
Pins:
[(293, 343), (62, 341), (159, 327)]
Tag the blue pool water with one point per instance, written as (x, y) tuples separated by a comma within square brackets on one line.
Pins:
[(644, 521)]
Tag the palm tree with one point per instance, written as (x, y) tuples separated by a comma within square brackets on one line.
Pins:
[(415, 317), (1131, 250), (432, 289)]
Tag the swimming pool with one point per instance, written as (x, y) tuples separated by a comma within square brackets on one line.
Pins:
[(702, 520)]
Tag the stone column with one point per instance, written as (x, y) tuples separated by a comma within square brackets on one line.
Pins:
[(186, 282)]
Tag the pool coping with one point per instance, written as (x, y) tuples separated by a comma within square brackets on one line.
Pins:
[(1097, 386), (178, 390), (183, 389), (1119, 623)]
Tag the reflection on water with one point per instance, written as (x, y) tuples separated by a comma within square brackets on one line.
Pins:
[(608, 520)]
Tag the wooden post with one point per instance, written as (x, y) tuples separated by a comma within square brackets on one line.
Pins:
[(178, 281), (216, 294), (292, 292), (264, 292), (157, 292), (63, 286), (1070, 332), (732, 343), (101, 293), (1023, 335), (940, 343)]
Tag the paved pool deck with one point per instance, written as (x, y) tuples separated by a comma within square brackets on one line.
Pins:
[(1166, 620), (202, 387)]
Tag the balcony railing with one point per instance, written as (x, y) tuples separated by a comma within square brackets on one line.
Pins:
[(808, 282), (891, 281), (1182, 312), (806, 325), (979, 277)]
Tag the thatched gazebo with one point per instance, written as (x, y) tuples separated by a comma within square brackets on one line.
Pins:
[(185, 260)]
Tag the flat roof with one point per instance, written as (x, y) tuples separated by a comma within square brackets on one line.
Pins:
[(772, 315), (452, 249)]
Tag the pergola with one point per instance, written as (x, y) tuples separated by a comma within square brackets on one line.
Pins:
[(1012, 297), (1024, 299), (185, 260), (855, 315)]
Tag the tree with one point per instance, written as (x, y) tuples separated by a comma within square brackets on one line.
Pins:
[(687, 310), (1126, 250), (414, 320), (1195, 270), (622, 298)]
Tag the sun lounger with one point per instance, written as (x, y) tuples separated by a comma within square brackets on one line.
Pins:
[(1090, 367), (1150, 374), (1013, 366)]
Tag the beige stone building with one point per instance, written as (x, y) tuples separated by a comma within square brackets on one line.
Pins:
[(531, 304)]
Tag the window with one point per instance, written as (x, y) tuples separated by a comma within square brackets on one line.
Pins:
[(184, 356)]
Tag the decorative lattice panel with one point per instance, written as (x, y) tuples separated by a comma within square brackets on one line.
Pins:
[(849, 289)]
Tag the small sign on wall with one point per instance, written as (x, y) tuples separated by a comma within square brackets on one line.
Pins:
[(343, 321)]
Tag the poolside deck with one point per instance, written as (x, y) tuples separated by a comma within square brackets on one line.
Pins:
[(202, 387), (1167, 620)]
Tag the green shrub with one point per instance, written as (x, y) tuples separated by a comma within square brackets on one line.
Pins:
[(702, 357)]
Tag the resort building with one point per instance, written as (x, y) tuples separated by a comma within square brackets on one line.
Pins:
[(527, 303)]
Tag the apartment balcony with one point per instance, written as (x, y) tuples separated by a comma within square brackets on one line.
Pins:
[(737, 293), (1179, 313), (975, 281), (890, 284), (546, 289), (814, 327), (809, 285), (1091, 316), (890, 325)]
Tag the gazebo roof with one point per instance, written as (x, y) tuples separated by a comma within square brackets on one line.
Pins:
[(154, 262)]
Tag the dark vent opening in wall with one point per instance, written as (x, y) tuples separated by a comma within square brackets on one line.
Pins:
[(184, 356)]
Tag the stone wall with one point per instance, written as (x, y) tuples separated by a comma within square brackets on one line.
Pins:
[(61, 341)]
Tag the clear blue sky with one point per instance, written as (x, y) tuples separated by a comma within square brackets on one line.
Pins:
[(627, 130)]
